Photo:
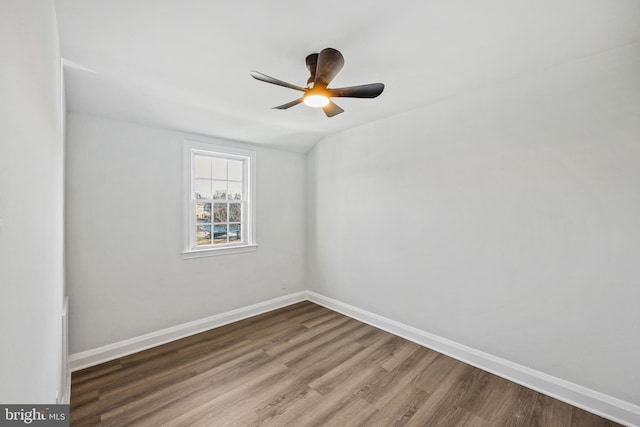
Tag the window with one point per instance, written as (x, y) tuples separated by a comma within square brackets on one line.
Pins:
[(220, 208)]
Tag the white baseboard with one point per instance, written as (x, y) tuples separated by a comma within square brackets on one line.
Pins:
[(116, 350), (590, 400)]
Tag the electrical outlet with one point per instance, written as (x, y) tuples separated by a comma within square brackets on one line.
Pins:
[(283, 285)]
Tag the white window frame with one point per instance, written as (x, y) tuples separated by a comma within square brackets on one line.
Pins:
[(248, 244)]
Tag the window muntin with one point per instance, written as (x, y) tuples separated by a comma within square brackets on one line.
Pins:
[(220, 190)]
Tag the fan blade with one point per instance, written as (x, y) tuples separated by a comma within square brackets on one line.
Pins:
[(289, 104), (330, 62), (332, 109), (264, 78), (312, 64), (363, 91)]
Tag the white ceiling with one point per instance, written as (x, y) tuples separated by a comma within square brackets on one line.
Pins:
[(184, 64)]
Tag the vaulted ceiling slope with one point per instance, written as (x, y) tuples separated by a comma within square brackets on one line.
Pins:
[(185, 64)]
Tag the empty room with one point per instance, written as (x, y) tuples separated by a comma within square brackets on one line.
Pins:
[(344, 213)]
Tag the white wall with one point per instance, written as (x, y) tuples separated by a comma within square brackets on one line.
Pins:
[(31, 203), (125, 274), (507, 220)]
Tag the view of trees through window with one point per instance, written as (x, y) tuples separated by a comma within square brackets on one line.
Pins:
[(219, 202)]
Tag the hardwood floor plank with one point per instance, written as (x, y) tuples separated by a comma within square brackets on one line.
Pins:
[(214, 382), (400, 407), (309, 338), (313, 341), (580, 418), (96, 371), (382, 391), (314, 365), (289, 413), (325, 316), (331, 410), (436, 373), (305, 365), (354, 369), (442, 398), (488, 395), (550, 412), (307, 313), (371, 337), (210, 399), (242, 410), (355, 413), (445, 416), (400, 354), (179, 371), (518, 409)]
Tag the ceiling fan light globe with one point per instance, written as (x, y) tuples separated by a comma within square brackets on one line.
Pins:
[(316, 101)]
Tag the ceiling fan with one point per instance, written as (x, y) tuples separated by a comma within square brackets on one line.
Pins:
[(323, 66)]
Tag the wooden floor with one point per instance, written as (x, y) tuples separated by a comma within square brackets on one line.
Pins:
[(305, 365)]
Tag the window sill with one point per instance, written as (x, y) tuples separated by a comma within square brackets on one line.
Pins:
[(203, 253)]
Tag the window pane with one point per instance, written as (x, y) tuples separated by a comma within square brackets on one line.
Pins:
[(203, 167), (220, 212), (235, 212), (202, 189), (203, 234), (221, 197), (219, 190), (235, 170), (235, 190), (219, 168), (219, 234), (235, 234), (203, 212)]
